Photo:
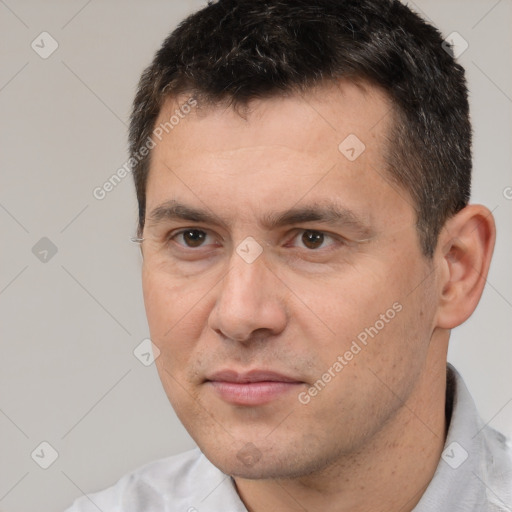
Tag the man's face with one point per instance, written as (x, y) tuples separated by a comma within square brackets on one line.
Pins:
[(286, 351)]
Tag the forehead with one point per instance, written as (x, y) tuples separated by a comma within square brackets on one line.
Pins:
[(312, 121), (330, 141)]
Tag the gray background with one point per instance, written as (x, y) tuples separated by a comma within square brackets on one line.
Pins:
[(69, 325)]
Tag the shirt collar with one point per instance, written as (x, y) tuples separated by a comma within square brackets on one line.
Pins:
[(458, 483)]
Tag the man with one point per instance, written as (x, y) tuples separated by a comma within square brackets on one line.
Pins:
[(303, 170)]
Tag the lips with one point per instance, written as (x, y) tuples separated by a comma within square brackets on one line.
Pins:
[(256, 387)]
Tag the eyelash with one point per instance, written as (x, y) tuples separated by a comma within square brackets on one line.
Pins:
[(335, 239)]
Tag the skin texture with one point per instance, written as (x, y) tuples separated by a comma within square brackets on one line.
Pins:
[(356, 444)]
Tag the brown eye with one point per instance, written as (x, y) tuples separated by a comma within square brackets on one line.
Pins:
[(312, 239), (193, 237)]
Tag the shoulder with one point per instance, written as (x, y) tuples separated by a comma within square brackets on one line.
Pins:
[(178, 481)]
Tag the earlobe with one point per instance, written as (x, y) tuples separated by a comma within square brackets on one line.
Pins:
[(464, 254)]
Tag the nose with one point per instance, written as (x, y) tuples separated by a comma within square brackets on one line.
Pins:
[(249, 303)]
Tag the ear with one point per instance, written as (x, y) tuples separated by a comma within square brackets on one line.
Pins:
[(463, 256)]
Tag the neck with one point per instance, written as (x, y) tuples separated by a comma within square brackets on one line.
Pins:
[(390, 473)]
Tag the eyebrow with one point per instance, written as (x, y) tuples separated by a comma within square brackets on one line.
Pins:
[(326, 213)]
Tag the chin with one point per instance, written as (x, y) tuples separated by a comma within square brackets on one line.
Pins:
[(239, 459), (252, 463)]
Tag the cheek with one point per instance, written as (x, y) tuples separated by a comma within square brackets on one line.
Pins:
[(344, 302), (177, 314), (158, 303), (399, 329), (370, 304)]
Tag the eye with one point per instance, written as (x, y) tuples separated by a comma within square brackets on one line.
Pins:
[(190, 237), (312, 240)]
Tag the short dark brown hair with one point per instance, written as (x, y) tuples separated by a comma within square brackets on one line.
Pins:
[(239, 50)]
